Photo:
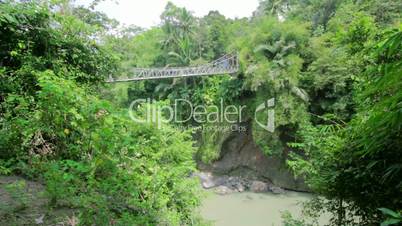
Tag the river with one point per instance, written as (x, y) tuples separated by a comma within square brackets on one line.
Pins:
[(252, 209)]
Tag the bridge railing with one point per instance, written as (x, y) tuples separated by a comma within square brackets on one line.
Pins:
[(227, 64)]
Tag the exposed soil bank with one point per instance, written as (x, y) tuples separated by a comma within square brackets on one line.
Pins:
[(22, 202), (240, 156)]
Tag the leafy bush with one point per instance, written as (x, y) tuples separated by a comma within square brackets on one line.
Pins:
[(114, 169), (272, 56), (357, 166), (90, 154), (392, 217)]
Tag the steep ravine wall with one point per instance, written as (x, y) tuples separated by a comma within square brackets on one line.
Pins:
[(240, 156)]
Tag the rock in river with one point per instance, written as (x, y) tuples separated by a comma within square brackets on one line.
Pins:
[(277, 190), (223, 190), (258, 186), (209, 181)]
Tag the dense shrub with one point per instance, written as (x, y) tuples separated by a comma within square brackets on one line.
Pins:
[(357, 165), (89, 153), (115, 169)]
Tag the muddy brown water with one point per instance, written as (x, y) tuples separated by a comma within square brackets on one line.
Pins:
[(252, 209)]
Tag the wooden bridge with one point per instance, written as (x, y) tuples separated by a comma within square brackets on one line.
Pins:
[(227, 64)]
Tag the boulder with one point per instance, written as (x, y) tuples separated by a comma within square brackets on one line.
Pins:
[(223, 190), (206, 179), (239, 187), (277, 190), (258, 186), (209, 181), (208, 184)]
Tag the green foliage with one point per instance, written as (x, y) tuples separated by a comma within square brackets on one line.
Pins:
[(213, 35), (5, 167), (91, 155), (178, 26), (117, 167), (271, 55), (392, 217), (358, 164), (332, 66), (30, 43), (336, 96), (317, 145), (102, 162), (32, 39), (134, 49)]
